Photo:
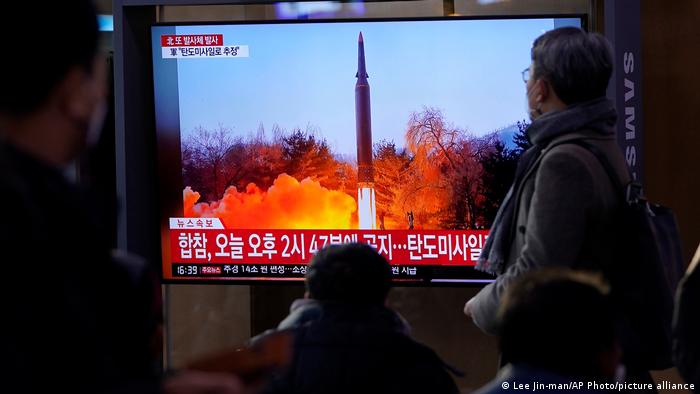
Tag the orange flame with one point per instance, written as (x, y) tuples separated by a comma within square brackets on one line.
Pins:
[(287, 204)]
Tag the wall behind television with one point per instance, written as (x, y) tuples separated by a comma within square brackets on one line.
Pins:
[(201, 318), (671, 83), (205, 318)]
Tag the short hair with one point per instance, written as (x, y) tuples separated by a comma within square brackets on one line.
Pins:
[(42, 42), (350, 273), (578, 65), (559, 320)]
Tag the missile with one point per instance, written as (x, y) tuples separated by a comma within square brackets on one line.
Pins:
[(366, 206), (363, 119)]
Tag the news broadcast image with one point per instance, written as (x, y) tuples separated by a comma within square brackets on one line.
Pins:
[(403, 134)]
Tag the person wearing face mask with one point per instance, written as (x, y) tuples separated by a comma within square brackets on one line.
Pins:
[(560, 208), (76, 317)]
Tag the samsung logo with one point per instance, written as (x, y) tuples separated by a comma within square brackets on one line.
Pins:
[(630, 129)]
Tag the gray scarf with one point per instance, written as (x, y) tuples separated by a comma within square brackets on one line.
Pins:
[(598, 115)]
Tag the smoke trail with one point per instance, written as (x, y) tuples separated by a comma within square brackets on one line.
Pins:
[(287, 204)]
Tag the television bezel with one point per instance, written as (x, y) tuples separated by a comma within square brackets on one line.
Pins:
[(164, 218)]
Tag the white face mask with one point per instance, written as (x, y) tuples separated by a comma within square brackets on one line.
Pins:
[(528, 110), (533, 113)]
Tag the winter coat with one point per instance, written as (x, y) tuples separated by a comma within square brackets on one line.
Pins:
[(344, 348), (565, 204), (75, 317)]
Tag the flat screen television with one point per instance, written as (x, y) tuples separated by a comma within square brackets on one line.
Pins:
[(278, 138)]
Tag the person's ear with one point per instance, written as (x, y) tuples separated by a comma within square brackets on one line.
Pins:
[(543, 91)]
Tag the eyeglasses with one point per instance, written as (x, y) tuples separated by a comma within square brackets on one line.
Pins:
[(526, 74)]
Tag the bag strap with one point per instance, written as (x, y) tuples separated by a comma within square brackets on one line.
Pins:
[(631, 193)]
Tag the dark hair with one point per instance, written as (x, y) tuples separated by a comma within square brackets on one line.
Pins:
[(558, 320), (578, 65), (42, 41), (351, 273)]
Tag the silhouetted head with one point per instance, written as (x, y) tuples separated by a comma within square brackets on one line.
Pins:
[(561, 321), (351, 273), (53, 82), (569, 66)]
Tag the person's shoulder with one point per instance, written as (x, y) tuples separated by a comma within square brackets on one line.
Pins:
[(571, 163), (425, 367), (531, 379), (581, 149), (570, 152), (302, 311), (17, 195), (20, 177), (422, 356), (501, 383), (493, 387)]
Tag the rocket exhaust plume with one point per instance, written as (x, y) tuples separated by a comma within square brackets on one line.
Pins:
[(366, 206), (287, 204)]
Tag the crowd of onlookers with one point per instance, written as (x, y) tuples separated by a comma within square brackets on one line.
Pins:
[(556, 327), (552, 250)]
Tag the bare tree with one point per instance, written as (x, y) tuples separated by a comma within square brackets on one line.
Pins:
[(207, 149), (447, 162), (427, 131)]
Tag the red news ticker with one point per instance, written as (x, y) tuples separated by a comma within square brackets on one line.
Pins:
[(191, 40), (399, 247)]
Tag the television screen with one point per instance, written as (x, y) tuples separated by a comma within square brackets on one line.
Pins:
[(276, 139)]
